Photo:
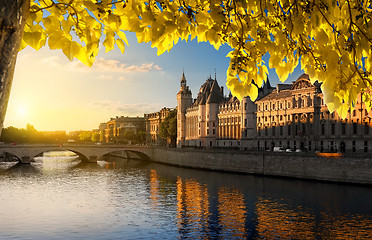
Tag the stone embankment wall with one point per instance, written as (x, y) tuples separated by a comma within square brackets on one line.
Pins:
[(348, 168)]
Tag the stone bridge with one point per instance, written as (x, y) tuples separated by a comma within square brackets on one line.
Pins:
[(88, 153)]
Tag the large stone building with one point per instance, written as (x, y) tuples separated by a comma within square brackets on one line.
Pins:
[(295, 116), (213, 120), (291, 116), (153, 121), (113, 130)]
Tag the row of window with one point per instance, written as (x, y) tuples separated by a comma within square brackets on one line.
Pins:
[(230, 120), (230, 107), (301, 129), (333, 146), (280, 118), (154, 127), (300, 102)]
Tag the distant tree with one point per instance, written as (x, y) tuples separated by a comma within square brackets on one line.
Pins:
[(85, 136), (163, 129), (31, 135), (168, 128), (10, 134), (74, 135), (141, 137), (129, 135), (95, 137), (53, 136)]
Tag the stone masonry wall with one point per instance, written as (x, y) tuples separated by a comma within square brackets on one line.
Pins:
[(349, 168)]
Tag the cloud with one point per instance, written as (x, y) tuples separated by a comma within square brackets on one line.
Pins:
[(136, 109), (105, 76), (53, 61), (122, 78), (112, 66)]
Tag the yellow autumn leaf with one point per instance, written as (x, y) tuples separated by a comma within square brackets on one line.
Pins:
[(121, 45), (109, 40), (71, 49), (34, 39), (123, 37)]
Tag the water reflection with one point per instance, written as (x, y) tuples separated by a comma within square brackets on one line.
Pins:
[(24, 169), (269, 209), (192, 209), (131, 199), (232, 212), (279, 221)]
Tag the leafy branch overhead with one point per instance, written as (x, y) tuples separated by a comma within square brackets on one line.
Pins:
[(331, 39)]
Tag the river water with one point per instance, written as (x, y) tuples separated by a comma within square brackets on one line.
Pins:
[(55, 198)]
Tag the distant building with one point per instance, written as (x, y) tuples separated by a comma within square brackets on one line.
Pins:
[(113, 131), (295, 116), (153, 121)]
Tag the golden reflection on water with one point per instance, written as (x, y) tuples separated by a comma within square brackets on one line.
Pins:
[(232, 212), (192, 205), (274, 218), (277, 221), (282, 221), (154, 188), (345, 227)]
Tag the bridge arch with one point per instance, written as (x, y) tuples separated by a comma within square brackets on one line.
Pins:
[(87, 153), (129, 154)]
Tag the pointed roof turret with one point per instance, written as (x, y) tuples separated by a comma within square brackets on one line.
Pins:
[(215, 95), (183, 78), (267, 83), (184, 88)]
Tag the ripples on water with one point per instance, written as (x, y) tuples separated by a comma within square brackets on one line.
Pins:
[(61, 198)]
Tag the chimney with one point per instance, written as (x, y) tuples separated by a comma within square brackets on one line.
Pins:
[(222, 90)]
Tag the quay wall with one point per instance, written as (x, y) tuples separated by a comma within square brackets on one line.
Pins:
[(355, 168)]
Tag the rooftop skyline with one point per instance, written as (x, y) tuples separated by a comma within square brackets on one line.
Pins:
[(52, 93)]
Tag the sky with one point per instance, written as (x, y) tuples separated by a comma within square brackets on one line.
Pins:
[(52, 93)]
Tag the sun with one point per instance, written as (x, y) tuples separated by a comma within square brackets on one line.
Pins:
[(21, 111)]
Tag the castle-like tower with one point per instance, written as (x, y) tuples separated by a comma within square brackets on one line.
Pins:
[(184, 100)]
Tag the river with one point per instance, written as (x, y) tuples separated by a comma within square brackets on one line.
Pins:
[(60, 198)]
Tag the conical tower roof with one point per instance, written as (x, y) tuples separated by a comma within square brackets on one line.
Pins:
[(183, 78), (215, 95)]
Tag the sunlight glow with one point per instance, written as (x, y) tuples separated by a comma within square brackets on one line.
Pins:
[(22, 111)]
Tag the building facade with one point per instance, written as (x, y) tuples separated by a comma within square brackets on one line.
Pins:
[(113, 130), (295, 117), (214, 120), (153, 121), (291, 116)]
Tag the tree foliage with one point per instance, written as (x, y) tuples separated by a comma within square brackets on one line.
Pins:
[(31, 135), (331, 39), (85, 136), (95, 137), (168, 127)]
